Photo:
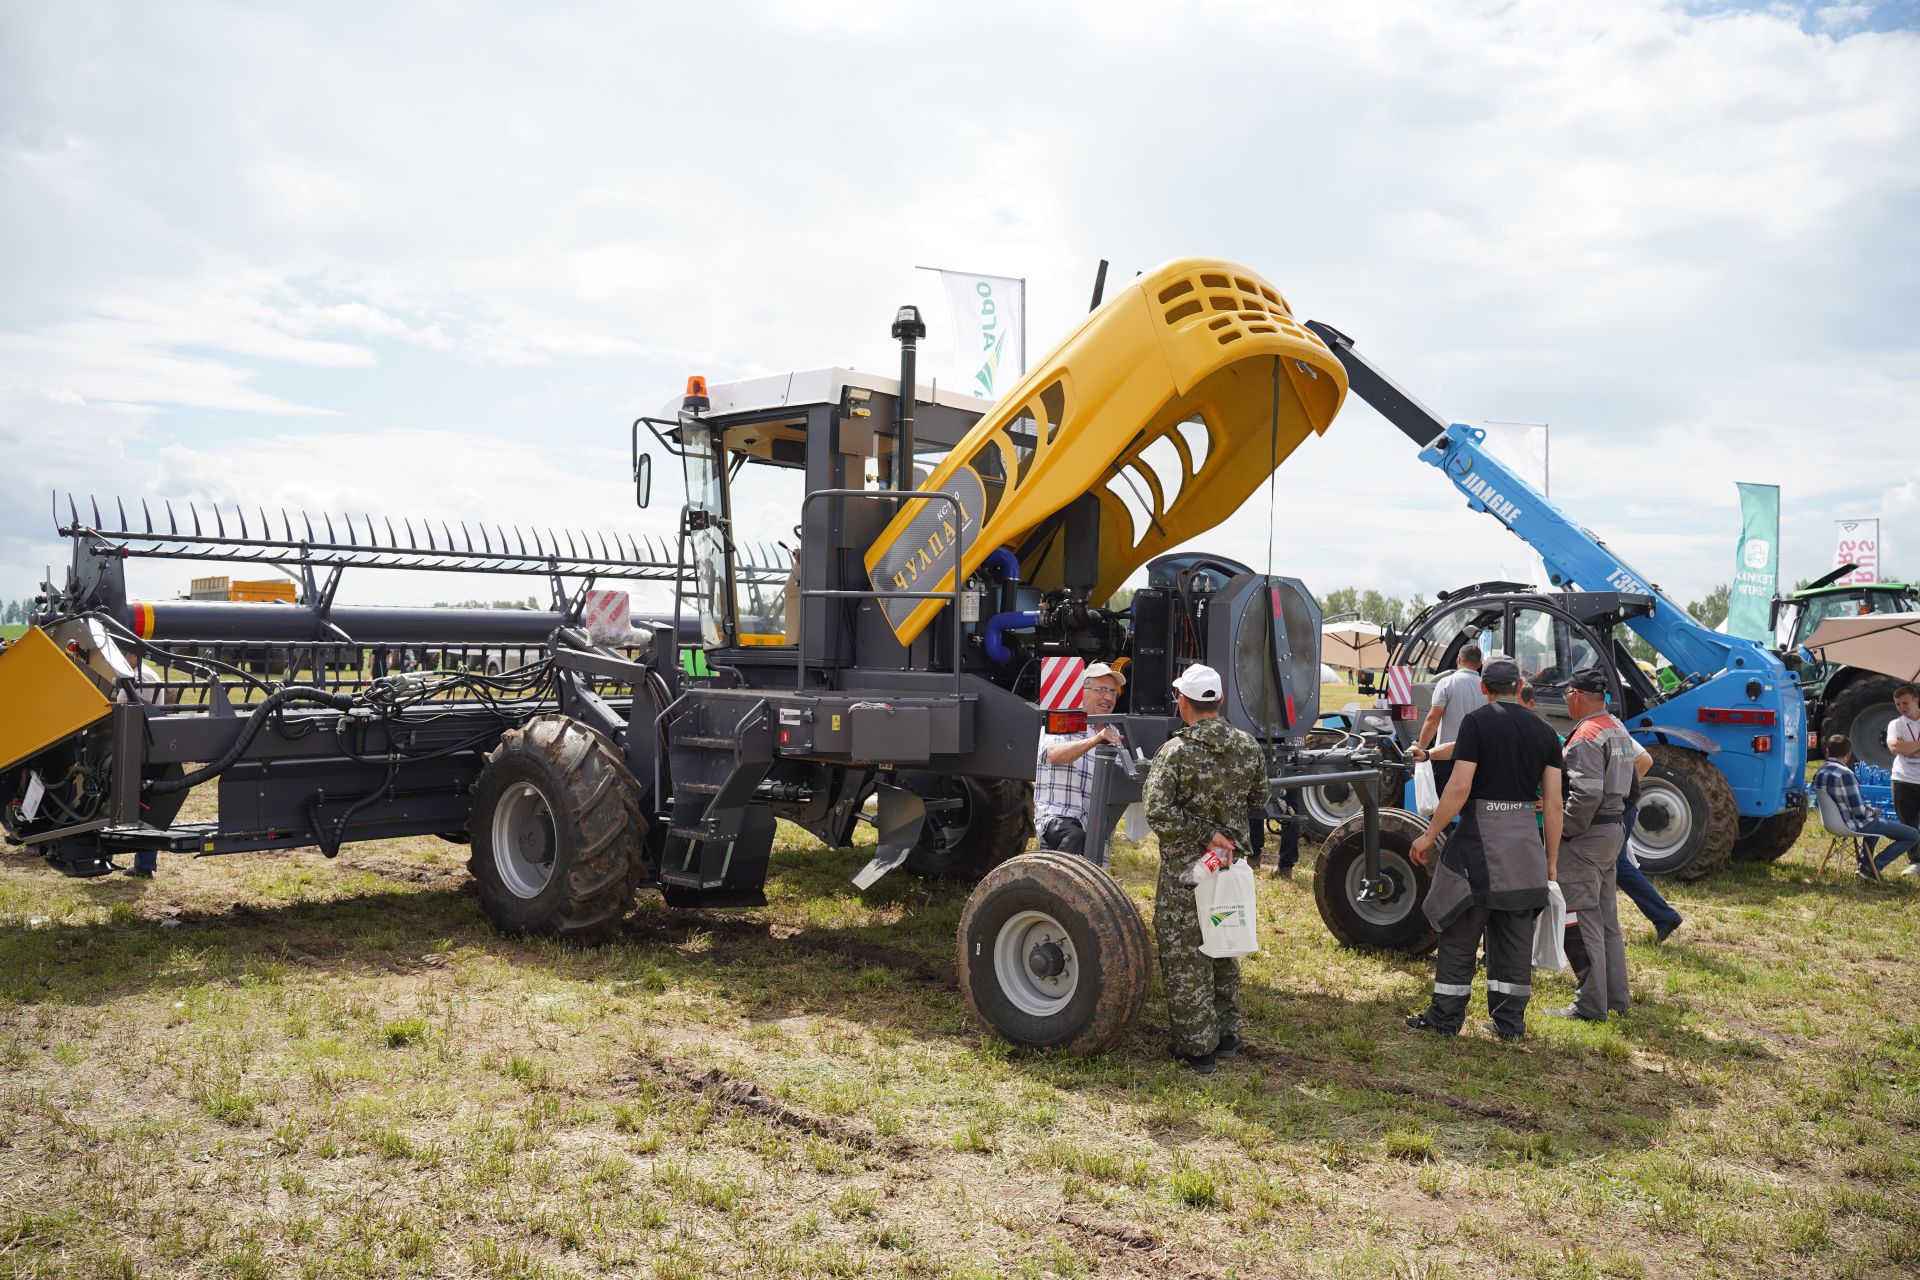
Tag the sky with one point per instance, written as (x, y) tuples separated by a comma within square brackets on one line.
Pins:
[(432, 259)]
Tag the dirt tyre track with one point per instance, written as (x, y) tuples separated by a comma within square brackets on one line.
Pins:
[(1053, 954), (993, 823), (1766, 839), (557, 833), (1395, 925), (1688, 819)]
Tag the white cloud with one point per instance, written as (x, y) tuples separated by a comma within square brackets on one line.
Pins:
[(441, 255)]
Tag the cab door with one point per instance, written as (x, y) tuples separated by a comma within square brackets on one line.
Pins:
[(1548, 645)]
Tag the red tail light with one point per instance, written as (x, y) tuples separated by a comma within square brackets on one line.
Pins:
[(1763, 744), (1405, 711), (1066, 722), (1735, 715)]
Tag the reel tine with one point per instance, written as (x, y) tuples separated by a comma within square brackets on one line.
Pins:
[(603, 547), (73, 514), (412, 538), (485, 541), (347, 520), (466, 535), (195, 508), (266, 525), (449, 532), (286, 524), (241, 516), (393, 539), (219, 522), (521, 539), (146, 514), (123, 515), (373, 538), (306, 518), (332, 540), (173, 526), (570, 551), (96, 510)]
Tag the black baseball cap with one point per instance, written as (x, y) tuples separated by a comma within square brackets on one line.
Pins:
[(1588, 680), (1501, 675)]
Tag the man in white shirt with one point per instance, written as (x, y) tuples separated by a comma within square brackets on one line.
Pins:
[(1903, 739), (1063, 774), (1457, 694)]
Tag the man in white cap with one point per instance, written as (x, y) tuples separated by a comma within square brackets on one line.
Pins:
[(1063, 777), (1203, 784)]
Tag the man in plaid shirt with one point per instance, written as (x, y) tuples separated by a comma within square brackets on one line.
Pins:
[(1836, 780), (1063, 775)]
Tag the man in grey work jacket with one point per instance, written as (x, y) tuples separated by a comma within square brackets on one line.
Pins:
[(1492, 878), (1599, 762)]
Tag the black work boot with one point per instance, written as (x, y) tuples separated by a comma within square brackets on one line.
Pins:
[(1228, 1046), (1198, 1063)]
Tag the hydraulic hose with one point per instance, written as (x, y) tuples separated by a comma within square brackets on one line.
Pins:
[(251, 730), (1003, 559), (1017, 620)]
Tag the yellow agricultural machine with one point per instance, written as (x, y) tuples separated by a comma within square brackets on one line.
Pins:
[(869, 584)]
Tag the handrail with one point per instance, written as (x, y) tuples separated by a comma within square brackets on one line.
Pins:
[(952, 597)]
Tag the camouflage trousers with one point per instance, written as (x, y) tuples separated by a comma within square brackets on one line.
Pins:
[(1203, 994)]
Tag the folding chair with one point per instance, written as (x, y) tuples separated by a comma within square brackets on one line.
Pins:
[(1836, 826)]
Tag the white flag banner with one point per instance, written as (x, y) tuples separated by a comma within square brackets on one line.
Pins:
[(1857, 542), (1522, 446), (989, 320)]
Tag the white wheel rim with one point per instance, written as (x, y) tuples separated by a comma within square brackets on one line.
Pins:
[(1326, 810), (1672, 827), (1399, 873), (523, 840), (1035, 964)]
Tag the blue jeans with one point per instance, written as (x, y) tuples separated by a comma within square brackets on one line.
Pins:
[(1634, 883), (1900, 837)]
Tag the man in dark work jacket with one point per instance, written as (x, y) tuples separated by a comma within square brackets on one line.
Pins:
[(1491, 880)]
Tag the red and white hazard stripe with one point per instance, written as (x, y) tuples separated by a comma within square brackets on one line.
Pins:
[(1060, 683), (606, 615), (1400, 685)]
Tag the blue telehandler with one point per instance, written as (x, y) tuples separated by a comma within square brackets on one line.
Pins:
[(1728, 735)]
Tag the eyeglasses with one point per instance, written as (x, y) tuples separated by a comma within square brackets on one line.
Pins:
[(1100, 689)]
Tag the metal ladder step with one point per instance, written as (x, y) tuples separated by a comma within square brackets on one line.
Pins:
[(712, 743)]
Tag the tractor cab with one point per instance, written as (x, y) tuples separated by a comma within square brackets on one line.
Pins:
[(1797, 616)]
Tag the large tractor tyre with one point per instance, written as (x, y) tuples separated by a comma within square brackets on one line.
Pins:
[(991, 822), (1393, 922), (557, 833), (1862, 711), (1765, 839), (1053, 954), (1688, 819)]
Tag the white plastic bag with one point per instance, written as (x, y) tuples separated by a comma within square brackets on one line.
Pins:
[(1426, 796), (1550, 932), (1227, 913)]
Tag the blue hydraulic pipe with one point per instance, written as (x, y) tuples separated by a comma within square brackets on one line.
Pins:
[(1008, 562), (1017, 620)]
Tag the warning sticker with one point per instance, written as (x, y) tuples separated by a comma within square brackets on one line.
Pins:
[(607, 616)]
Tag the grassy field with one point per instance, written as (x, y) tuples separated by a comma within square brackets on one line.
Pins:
[(276, 1065), (10, 630)]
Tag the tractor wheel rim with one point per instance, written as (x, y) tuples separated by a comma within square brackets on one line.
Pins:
[(1394, 908), (523, 840), (1035, 963), (1328, 810), (1664, 824), (1869, 734), (946, 829)]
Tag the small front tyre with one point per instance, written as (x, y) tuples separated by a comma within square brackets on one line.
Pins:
[(1393, 920), (557, 833), (1053, 954)]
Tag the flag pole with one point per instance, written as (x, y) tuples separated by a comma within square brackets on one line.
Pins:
[(1023, 326)]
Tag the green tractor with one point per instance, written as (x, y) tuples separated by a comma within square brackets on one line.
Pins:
[(1843, 699)]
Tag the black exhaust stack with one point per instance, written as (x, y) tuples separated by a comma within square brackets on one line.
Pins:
[(908, 329)]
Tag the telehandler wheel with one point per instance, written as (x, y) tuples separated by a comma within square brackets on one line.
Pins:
[(1688, 819), (1767, 839), (991, 823), (1393, 922), (1325, 808), (557, 833), (1862, 711), (1053, 954)]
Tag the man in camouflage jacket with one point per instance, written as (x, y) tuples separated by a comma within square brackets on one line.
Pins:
[(1203, 784)]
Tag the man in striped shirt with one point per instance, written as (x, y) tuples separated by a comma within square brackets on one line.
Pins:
[(1063, 775)]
